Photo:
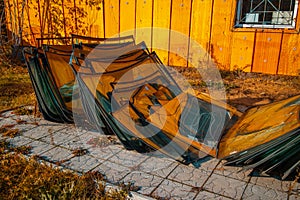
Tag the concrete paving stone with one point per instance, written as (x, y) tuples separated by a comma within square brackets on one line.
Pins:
[(129, 159), (24, 127), (158, 154), (39, 147), (158, 166), (57, 154), (87, 141), (83, 140), (79, 130), (113, 171), (136, 196), (7, 121), (173, 190), (44, 122), (209, 196), (294, 197), (60, 136), (295, 190), (83, 163), (20, 141), (208, 164), (259, 192), (8, 114), (146, 182), (105, 152), (271, 183), (232, 172), (225, 186), (189, 175), (27, 118), (43, 130)]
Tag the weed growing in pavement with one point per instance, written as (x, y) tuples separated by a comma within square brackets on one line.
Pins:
[(79, 151)]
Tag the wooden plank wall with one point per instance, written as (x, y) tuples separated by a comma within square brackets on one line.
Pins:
[(208, 22)]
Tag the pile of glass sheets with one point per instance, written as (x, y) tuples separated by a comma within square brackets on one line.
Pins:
[(124, 88)]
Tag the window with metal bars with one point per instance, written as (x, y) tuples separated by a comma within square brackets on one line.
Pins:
[(266, 13)]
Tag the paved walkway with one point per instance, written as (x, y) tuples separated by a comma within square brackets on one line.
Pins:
[(157, 176)]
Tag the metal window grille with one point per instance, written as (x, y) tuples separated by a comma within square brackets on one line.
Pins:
[(266, 13)]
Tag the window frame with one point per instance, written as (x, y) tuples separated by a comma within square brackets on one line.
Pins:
[(238, 17)]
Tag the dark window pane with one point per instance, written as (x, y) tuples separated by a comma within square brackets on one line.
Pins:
[(265, 12)]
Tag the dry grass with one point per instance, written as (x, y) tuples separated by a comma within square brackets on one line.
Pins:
[(8, 132), (246, 88), (15, 87), (29, 178)]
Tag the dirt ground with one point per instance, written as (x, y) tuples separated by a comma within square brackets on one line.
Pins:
[(244, 90)]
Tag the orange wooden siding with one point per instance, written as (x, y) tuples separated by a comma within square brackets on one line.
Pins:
[(221, 35), (160, 32), (201, 23), (242, 51), (266, 55), (95, 19), (144, 21), (208, 23), (180, 22), (127, 17), (289, 62), (111, 18)]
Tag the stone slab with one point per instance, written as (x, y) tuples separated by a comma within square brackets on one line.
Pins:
[(130, 159), (59, 137), (20, 141), (232, 172), (105, 152), (189, 175), (7, 121), (173, 190), (146, 182), (114, 172), (259, 192), (272, 183), (43, 131), (225, 186), (39, 147), (83, 163), (57, 155), (158, 166), (210, 196)]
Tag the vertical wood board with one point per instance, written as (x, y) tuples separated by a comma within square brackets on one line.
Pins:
[(144, 21), (161, 25), (180, 28), (95, 20), (266, 54), (221, 35), (111, 15), (200, 32), (127, 17), (290, 55), (242, 51)]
